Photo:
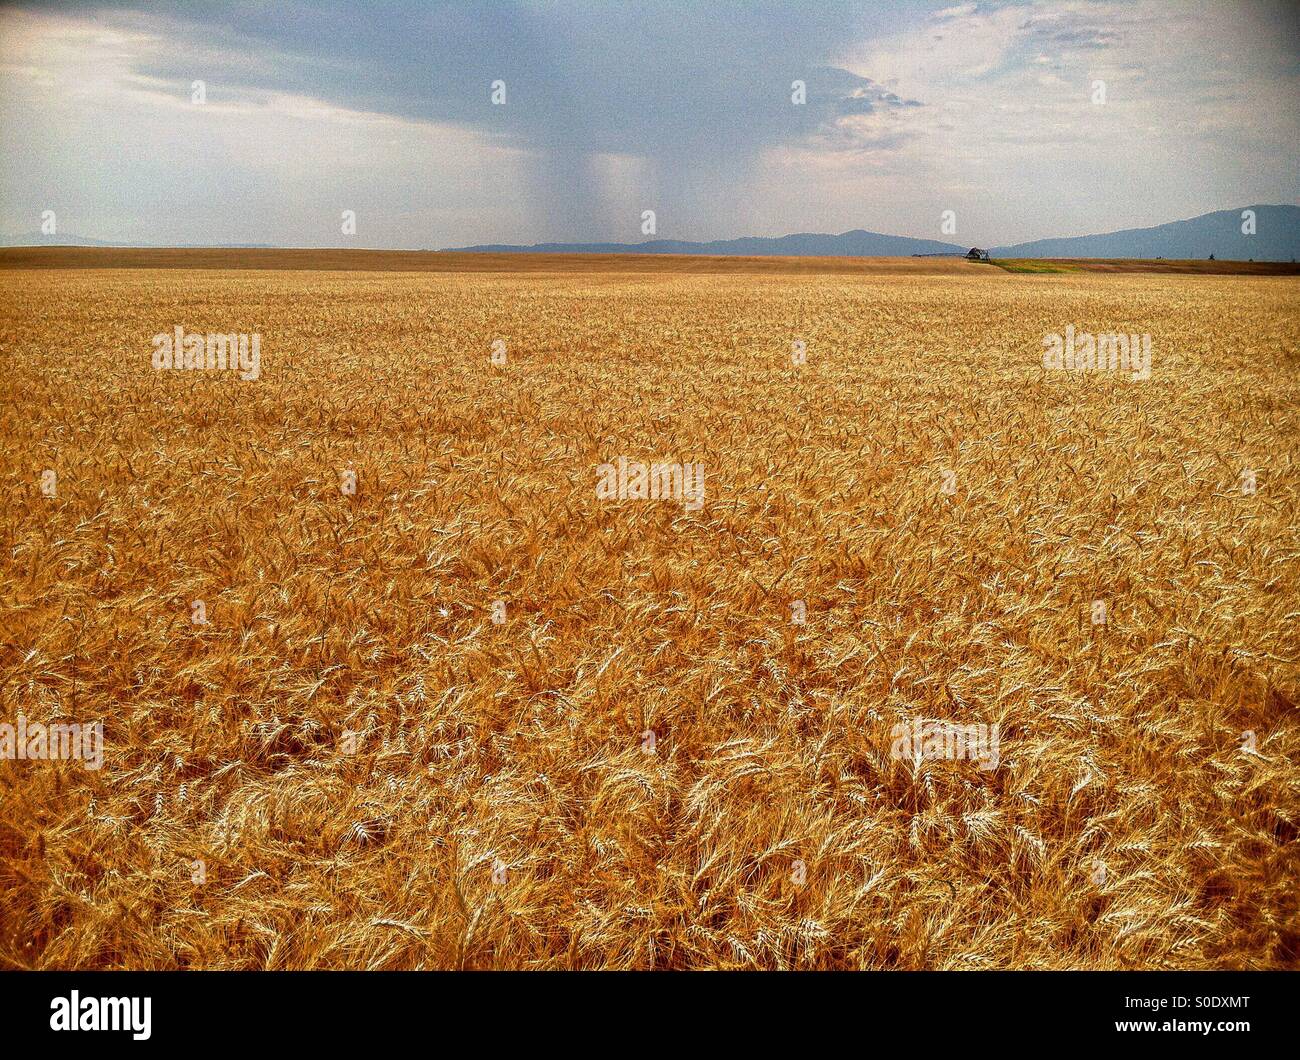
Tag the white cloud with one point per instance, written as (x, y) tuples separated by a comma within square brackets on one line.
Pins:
[(1190, 94), (120, 155)]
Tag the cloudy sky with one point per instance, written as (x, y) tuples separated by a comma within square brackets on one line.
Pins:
[(385, 108)]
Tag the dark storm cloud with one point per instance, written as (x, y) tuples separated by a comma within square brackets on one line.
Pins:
[(696, 90)]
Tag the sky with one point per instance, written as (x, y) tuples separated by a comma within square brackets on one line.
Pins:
[(990, 110)]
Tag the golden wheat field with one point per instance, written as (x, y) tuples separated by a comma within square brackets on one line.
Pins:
[(650, 763)]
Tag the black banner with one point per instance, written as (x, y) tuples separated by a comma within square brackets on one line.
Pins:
[(368, 1009)]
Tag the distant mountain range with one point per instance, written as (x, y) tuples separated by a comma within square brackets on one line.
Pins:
[(1276, 238), (38, 239), (67, 239), (855, 244)]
